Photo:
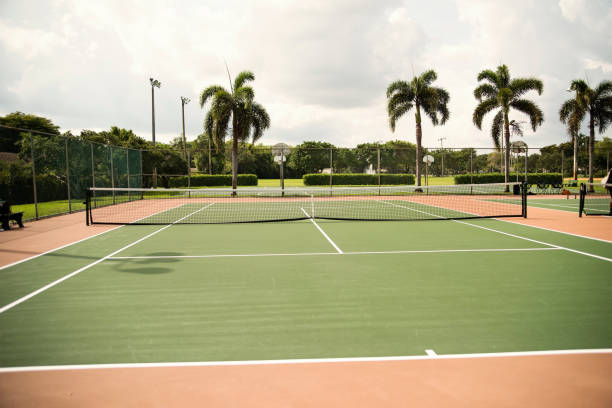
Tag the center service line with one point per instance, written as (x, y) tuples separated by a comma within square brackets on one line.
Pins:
[(322, 232)]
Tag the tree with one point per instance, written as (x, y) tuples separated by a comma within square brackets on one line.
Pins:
[(503, 93), (238, 106), (10, 138), (597, 103), (309, 157), (403, 96)]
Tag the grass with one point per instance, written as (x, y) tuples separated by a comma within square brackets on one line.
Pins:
[(47, 208)]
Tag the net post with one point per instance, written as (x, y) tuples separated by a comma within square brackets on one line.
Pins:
[(524, 198), (582, 197)]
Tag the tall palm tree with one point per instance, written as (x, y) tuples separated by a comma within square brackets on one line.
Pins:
[(239, 107), (503, 93), (597, 103), (403, 96)]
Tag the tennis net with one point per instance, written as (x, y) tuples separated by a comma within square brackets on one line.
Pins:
[(595, 199), (218, 206)]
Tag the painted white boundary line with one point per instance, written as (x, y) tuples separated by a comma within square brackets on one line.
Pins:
[(424, 251), (76, 242), (60, 280), (307, 361), (58, 248), (322, 232), (430, 353), (508, 234)]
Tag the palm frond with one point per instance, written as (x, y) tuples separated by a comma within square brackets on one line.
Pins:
[(244, 93), (209, 93), (503, 76), (260, 121), (485, 91), (398, 86), (520, 86), (488, 75), (496, 128), (243, 77), (397, 100), (536, 116), (482, 109), (428, 77), (397, 113)]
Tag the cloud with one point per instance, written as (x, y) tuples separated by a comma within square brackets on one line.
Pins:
[(322, 67)]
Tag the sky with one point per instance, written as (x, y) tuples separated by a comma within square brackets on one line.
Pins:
[(321, 67)]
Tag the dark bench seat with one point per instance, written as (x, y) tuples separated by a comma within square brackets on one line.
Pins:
[(11, 217)]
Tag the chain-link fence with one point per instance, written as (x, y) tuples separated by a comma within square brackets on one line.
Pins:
[(51, 173)]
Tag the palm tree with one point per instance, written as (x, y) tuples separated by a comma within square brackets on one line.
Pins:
[(403, 96), (500, 91), (239, 107), (597, 103)]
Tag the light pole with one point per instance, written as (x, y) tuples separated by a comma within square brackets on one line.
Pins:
[(154, 83), (442, 153), (184, 101)]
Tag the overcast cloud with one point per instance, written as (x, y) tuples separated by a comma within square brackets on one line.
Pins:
[(321, 67)]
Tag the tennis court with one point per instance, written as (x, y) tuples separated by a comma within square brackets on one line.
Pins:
[(306, 289)]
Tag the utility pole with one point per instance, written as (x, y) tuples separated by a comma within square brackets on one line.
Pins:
[(442, 153)]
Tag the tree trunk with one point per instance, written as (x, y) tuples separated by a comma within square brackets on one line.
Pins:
[(419, 135), (575, 157), (234, 161), (591, 148), (507, 150)]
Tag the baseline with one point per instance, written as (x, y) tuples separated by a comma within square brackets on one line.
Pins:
[(306, 360)]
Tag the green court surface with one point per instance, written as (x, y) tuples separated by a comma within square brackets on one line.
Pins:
[(306, 289)]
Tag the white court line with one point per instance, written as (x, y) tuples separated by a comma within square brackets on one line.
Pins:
[(60, 280), (322, 232), (81, 240), (307, 361), (430, 353), (508, 234), (424, 251)]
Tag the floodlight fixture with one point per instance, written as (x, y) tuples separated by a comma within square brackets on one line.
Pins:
[(155, 83), (185, 100)]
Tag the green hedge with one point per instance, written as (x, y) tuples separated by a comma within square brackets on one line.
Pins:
[(342, 179), (532, 178), (213, 180)]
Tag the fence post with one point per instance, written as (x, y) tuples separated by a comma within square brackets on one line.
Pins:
[(34, 175), (471, 167), (526, 155), (331, 168), (112, 173), (68, 174), (562, 160), (127, 161), (188, 168), (378, 165)]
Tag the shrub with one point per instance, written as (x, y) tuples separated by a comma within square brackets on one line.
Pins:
[(212, 180), (342, 179), (532, 178)]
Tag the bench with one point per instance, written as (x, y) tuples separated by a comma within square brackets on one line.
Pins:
[(6, 216)]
